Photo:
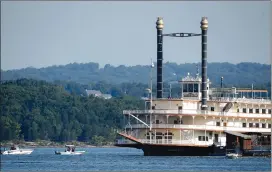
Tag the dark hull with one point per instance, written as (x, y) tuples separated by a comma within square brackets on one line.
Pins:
[(169, 150), (177, 150)]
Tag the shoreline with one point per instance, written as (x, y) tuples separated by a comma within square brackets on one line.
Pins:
[(49, 144)]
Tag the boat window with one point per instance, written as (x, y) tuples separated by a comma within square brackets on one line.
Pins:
[(250, 125), (237, 110), (215, 137), (185, 88), (202, 138), (244, 110), (147, 105), (217, 123), (195, 88), (257, 125), (212, 108), (250, 110), (263, 125), (168, 137), (269, 111), (269, 125), (190, 87), (263, 111), (148, 136), (244, 124), (159, 133), (257, 110)]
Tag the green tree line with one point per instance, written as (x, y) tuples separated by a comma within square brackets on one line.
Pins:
[(36, 110), (237, 74)]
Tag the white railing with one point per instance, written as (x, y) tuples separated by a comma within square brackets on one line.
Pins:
[(241, 100), (204, 127), (197, 113), (165, 141), (175, 142)]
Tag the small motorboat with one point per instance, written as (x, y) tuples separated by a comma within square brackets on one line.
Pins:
[(15, 150), (233, 155), (70, 150)]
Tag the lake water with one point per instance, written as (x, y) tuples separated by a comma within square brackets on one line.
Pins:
[(126, 159)]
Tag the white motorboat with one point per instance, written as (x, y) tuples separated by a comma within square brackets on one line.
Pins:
[(233, 155), (70, 150), (15, 150)]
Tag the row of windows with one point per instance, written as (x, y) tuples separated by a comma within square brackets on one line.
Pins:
[(251, 125), (202, 138), (190, 88), (250, 110), (257, 125)]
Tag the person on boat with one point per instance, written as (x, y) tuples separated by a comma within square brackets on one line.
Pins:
[(68, 149)]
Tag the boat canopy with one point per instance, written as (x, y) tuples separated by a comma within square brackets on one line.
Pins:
[(238, 134), (69, 145)]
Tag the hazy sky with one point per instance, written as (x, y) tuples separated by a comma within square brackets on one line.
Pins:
[(41, 34)]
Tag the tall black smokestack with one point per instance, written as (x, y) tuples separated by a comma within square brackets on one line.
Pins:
[(204, 29), (159, 27)]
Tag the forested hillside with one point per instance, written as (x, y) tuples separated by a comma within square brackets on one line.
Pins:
[(239, 74), (32, 110), (58, 109)]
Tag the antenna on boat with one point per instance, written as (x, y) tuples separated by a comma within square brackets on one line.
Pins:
[(222, 81), (197, 70), (151, 71), (221, 87), (252, 90)]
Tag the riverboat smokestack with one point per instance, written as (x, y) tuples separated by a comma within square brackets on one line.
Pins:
[(159, 26), (204, 29)]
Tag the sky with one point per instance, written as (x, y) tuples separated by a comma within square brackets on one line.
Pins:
[(41, 34)]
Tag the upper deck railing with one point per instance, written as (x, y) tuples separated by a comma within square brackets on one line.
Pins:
[(240, 100), (205, 127), (220, 99), (194, 112)]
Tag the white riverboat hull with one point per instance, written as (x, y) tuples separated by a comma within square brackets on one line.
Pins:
[(18, 152)]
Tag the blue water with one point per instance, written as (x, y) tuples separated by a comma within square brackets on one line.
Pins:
[(126, 159)]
